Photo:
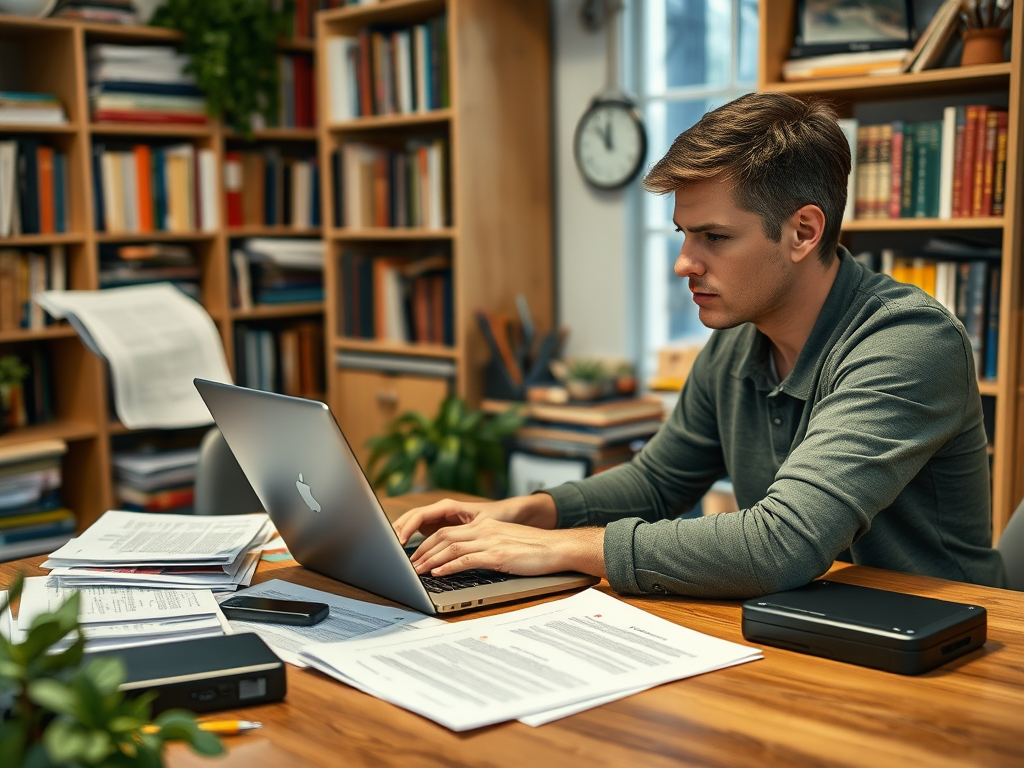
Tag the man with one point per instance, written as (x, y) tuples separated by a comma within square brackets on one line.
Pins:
[(844, 406)]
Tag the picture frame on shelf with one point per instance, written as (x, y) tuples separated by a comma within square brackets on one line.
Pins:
[(824, 27)]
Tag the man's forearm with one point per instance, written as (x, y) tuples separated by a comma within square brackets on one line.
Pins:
[(584, 550)]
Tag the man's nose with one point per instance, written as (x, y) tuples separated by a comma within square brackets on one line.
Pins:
[(686, 264)]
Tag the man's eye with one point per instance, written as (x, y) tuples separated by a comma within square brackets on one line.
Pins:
[(713, 238)]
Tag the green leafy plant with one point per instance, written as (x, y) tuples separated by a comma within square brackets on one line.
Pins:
[(233, 48), (66, 713), (584, 369), (460, 447)]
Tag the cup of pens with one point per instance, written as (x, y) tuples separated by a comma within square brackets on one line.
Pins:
[(985, 30)]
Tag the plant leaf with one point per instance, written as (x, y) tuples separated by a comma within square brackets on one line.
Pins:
[(53, 695), (65, 741)]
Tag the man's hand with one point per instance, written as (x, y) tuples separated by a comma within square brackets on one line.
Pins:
[(485, 542), (537, 510)]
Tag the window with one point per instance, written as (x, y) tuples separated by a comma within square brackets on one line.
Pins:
[(688, 56)]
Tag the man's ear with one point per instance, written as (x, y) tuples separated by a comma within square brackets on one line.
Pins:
[(805, 229)]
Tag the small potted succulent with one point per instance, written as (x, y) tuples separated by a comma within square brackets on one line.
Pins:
[(12, 373), (586, 379)]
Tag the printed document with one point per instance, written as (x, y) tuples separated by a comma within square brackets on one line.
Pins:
[(115, 605), (143, 538), (348, 618), (156, 340), (473, 673)]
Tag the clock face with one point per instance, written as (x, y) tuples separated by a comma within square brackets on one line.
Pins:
[(610, 144)]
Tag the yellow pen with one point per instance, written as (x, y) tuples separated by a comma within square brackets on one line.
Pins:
[(220, 727)]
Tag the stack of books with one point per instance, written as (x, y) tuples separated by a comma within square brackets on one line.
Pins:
[(32, 519), (262, 188), (949, 168), (105, 11), (34, 193), (30, 401), (150, 263), (286, 360), (156, 481), (855, 64), (148, 188), (382, 187), (601, 432), (389, 71), (18, 108), (23, 274), (278, 271), (143, 84), (397, 298)]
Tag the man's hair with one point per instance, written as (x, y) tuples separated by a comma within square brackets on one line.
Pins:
[(780, 153)]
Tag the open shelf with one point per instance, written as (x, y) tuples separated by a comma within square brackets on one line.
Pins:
[(274, 134), (392, 10), (61, 331), (63, 430), (395, 348), (393, 233), (983, 77), (159, 236), (907, 225), (169, 130), (64, 129), (265, 311), (258, 230), (375, 122), (53, 238)]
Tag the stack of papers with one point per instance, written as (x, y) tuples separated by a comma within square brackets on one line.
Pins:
[(535, 664), (140, 549), (348, 618), (120, 618)]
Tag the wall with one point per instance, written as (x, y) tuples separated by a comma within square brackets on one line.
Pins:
[(593, 283)]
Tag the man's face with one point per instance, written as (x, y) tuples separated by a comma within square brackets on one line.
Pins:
[(735, 272)]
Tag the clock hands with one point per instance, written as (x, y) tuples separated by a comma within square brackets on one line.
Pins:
[(608, 131)]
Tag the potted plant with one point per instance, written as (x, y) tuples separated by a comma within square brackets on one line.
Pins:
[(625, 379), (66, 713), (460, 448), (12, 373), (233, 48), (586, 379)]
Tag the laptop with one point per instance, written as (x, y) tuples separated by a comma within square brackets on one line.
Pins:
[(307, 478)]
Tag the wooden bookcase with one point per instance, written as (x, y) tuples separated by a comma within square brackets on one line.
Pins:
[(53, 60), (498, 130), (909, 97)]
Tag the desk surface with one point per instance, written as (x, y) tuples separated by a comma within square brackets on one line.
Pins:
[(787, 709)]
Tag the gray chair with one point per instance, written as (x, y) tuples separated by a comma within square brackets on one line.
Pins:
[(221, 486), (1011, 547)]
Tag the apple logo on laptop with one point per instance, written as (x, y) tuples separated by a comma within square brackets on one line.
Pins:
[(307, 497)]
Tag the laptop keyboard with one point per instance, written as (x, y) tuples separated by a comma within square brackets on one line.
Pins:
[(472, 578)]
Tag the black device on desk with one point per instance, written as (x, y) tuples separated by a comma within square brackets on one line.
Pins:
[(876, 628), (204, 675), (265, 609)]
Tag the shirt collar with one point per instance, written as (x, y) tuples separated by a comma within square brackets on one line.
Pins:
[(755, 363)]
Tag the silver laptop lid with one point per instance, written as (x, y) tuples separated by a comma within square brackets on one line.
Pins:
[(307, 478)]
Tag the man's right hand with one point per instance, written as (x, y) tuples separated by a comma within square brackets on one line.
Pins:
[(537, 510)]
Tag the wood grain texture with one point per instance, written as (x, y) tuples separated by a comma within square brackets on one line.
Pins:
[(787, 709)]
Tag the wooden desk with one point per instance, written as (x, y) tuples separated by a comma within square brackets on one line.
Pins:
[(787, 709)]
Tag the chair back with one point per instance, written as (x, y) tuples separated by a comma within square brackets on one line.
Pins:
[(221, 486), (1011, 547)]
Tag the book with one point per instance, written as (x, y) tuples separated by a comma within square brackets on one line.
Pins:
[(999, 169)]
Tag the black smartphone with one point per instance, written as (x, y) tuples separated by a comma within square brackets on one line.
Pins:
[(269, 610)]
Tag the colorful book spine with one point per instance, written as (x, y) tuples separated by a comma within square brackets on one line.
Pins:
[(896, 175)]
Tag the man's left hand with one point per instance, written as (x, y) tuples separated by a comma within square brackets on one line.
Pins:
[(511, 548)]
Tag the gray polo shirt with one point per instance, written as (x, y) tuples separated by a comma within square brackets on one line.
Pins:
[(872, 449)]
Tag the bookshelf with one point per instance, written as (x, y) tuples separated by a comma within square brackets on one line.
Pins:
[(498, 168), (909, 96), (53, 54)]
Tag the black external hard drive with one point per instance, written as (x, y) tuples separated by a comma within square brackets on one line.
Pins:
[(905, 634), (204, 675)]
